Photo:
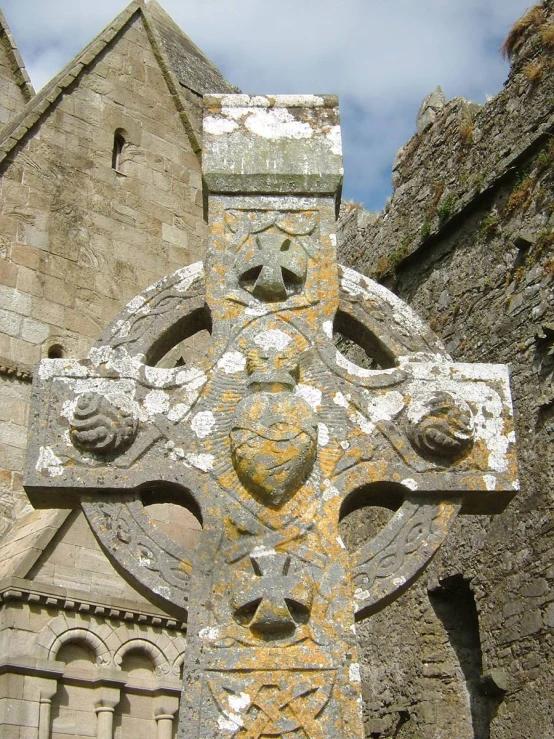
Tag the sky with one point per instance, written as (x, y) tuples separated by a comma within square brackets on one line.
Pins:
[(382, 57)]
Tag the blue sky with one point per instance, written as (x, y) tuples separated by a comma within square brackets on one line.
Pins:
[(380, 56)]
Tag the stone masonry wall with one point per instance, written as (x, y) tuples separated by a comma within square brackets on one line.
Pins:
[(81, 238), (468, 241)]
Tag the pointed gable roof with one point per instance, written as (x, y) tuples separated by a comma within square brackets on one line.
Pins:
[(191, 67), (17, 88), (21, 78), (182, 63)]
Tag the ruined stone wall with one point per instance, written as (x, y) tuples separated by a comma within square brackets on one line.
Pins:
[(82, 238), (468, 241)]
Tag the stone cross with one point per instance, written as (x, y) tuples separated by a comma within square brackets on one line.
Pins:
[(271, 437)]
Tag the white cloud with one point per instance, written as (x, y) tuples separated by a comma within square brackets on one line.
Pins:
[(381, 57)]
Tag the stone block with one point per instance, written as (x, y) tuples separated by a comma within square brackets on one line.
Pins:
[(35, 332), (536, 588), (81, 324), (8, 273), (49, 312), (28, 281), (15, 301), (531, 622), (175, 235), (10, 323)]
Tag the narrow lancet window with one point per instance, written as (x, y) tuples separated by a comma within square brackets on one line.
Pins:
[(118, 146)]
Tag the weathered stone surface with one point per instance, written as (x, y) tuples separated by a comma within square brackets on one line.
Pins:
[(273, 435), (429, 110), (483, 280)]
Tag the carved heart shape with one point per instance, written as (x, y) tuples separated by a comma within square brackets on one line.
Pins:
[(273, 445)]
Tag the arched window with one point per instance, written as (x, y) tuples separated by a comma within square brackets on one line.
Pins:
[(118, 147)]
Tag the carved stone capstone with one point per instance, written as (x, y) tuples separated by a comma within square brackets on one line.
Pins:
[(272, 436)]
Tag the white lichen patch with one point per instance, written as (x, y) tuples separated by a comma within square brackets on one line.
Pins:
[(68, 408), (49, 368), (335, 141), (188, 275), (262, 551), (360, 594), (193, 378), (175, 453), (117, 360), (217, 125), (277, 123), (178, 412), (256, 310), (239, 701), (136, 304), (399, 581), (298, 101), (363, 423), (386, 407), (272, 339), (48, 462), (204, 462), (322, 434), (156, 402), (410, 483), (158, 377), (312, 395), (328, 329), (330, 492), (341, 400), (350, 367), (202, 424), (230, 722), (232, 362), (104, 386), (354, 673), (490, 482), (210, 633)]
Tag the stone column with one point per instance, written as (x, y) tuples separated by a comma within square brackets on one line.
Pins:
[(47, 691), (108, 698), (37, 694), (165, 708)]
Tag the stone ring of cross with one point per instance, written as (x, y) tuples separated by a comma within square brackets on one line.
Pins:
[(272, 436)]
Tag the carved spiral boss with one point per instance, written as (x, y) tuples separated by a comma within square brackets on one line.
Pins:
[(445, 428), (100, 426)]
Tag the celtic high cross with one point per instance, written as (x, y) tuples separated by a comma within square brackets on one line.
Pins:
[(272, 436)]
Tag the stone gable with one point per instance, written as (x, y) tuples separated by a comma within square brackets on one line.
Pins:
[(15, 86)]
